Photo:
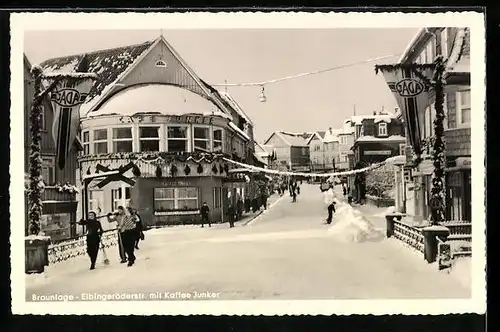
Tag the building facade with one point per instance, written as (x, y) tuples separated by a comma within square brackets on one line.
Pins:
[(453, 44), (166, 131), (345, 143), (59, 201), (377, 137), (292, 151), (324, 151)]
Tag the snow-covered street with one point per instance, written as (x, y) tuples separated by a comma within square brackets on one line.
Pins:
[(288, 252)]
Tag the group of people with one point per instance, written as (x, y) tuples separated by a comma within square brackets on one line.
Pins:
[(293, 188), (130, 232)]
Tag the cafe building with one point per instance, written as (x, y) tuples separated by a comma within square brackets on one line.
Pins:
[(160, 136)]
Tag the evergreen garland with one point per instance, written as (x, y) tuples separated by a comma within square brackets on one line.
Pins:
[(214, 169), (438, 157), (34, 192), (199, 169), (187, 170), (173, 170)]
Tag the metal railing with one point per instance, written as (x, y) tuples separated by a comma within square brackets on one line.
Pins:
[(410, 235), (74, 247)]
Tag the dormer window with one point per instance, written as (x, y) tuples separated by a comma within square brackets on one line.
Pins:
[(382, 129)]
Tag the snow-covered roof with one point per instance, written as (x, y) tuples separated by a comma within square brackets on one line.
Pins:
[(260, 150), (330, 136), (393, 138), (396, 160), (161, 98), (108, 64), (228, 98), (238, 130), (294, 139), (381, 116)]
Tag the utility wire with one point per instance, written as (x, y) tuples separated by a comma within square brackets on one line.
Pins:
[(308, 73)]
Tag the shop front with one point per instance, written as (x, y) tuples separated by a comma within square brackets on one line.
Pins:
[(458, 193)]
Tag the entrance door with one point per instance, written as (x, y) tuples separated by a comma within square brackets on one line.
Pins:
[(467, 211)]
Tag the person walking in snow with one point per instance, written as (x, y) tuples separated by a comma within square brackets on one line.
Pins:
[(118, 218), (330, 202), (204, 211), (264, 196), (94, 233), (139, 235)]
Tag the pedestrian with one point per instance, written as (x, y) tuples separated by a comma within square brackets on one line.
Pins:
[(204, 211), (298, 189), (239, 208), (139, 235), (344, 189), (294, 196), (230, 214), (118, 217), (330, 202), (264, 198), (94, 232), (127, 233), (255, 204)]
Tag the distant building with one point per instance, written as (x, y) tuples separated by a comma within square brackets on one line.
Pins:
[(324, 150), (263, 157), (346, 141), (292, 151), (59, 204), (376, 138)]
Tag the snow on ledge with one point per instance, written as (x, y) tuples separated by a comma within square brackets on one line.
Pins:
[(383, 118), (238, 130), (393, 138)]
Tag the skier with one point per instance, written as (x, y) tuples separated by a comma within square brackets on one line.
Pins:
[(330, 202), (204, 215), (118, 218), (94, 232)]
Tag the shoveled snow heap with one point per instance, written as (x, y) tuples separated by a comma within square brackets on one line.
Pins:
[(349, 225)]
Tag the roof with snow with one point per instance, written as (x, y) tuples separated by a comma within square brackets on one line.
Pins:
[(108, 64), (381, 116), (295, 139), (393, 138), (234, 105), (160, 98), (261, 150)]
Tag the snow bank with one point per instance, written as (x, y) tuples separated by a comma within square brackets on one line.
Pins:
[(349, 225), (390, 209), (461, 270)]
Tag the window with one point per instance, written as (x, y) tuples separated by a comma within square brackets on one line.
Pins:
[(86, 142), (201, 139), (100, 141), (343, 140), (429, 50), (120, 197), (217, 140), (362, 131), (444, 43), (48, 170), (95, 201), (382, 129), (427, 122), (122, 140), (177, 139), (171, 199), (463, 107), (149, 139), (402, 149), (217, 197)]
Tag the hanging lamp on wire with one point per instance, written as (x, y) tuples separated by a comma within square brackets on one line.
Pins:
[(263, 98)]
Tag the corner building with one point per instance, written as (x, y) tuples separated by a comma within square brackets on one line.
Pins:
[(166, 130)]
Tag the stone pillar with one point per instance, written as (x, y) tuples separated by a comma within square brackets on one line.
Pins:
[(36, 253), (431, 243)]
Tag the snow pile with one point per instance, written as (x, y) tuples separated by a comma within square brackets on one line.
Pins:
[(349, 225), (390, 209), (461, 270)]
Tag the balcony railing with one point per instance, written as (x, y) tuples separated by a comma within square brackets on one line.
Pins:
[(52, 194)]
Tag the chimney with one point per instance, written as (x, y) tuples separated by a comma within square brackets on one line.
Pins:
[(374, 112)]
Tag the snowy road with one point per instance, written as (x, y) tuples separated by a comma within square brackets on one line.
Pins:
[(286, 253)]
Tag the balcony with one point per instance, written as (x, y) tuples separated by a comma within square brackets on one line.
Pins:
[(53, 195)]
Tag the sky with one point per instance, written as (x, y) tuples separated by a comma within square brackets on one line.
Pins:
[(310, 103)]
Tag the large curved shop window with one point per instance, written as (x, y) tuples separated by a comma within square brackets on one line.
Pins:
[(217, 140), (177, 138), (201, 140)]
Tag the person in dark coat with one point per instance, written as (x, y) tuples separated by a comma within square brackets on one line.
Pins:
[(239, 208), (255, 204), (298, 188), (230, 213), (94, 232), (294, 196), (138, 227), (264, 196), (118, 217), (204, 211)]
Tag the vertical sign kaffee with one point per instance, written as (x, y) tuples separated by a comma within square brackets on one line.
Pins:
[(410, 86), (66, 99)]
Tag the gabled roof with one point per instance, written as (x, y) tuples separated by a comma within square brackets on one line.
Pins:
[(235, 106), (295, 139), (259, 149), (109, 65)]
